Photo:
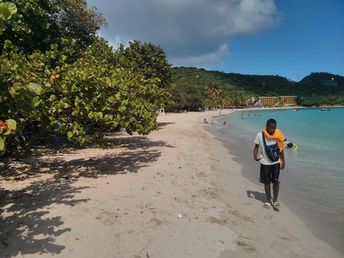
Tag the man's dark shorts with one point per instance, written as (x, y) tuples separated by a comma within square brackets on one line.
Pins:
[(269, 173)]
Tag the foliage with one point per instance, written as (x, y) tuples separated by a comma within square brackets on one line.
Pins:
[(214, 96), (235, 89), (318, 79), (33, 26), (197, 89), (21, 81), (57, 75), (7, 128), (7, 9), (83, 100), (146, 59), (101, 51), (39, 24), (78, 21), (191, 98), (92, 98)]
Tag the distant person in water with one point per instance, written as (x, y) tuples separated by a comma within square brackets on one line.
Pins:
[(270, 143)]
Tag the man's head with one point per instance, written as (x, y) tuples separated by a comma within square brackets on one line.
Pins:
[(271, 125)]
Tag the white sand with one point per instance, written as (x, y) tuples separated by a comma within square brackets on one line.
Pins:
[(177, 193)]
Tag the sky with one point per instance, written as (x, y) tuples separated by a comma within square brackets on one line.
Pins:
[(290, 38)]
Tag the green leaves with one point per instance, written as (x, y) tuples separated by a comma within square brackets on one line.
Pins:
[(57, 74), (122, 108), (11, 127), (7, 128), (147, 59), (35, 88), (96, 97), (2, 145), (7, 9)]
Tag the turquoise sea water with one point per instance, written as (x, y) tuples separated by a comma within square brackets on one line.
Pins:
[(312, 184)]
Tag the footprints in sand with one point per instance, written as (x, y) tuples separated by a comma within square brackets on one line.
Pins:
[(152, 220), (220, 221), (232, 217), (210, 193), (157, 222), (108, 218), (201, 174), (247, 247), (241, 217), (245, 243)]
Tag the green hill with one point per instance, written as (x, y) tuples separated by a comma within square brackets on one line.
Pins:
[(189, 87), (318, 79)]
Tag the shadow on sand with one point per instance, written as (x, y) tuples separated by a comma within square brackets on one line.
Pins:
[(256, 195), (260, 197), (25, 224), (163, 124)]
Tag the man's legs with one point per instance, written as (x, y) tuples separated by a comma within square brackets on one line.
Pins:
[(268, 192), (276, 189), (265, 177), (275, 181)]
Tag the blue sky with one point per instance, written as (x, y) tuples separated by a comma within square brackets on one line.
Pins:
[(308, 38), (278, 37)]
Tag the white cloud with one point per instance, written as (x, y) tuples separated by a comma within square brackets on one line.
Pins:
[(196, 31), (205, 60)]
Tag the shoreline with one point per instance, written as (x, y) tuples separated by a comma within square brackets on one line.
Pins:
[(291, 217), (324, 231), (176, 193), (247, 109)]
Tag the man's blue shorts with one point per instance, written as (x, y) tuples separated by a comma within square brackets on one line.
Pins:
[(269, 173)]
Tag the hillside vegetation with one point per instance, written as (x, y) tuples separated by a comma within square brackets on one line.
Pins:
[(190, 88)]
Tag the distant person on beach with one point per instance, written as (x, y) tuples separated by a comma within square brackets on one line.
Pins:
[(270, 142), (205, 121)]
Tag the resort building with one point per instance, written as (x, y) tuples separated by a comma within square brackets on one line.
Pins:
[(278, 101), (268, 101)]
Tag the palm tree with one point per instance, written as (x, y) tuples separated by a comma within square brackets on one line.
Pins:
[(214, 95)]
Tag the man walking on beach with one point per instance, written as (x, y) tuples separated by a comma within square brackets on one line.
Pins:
[(271, 158)]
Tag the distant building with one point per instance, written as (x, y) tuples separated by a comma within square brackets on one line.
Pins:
[(278, 101), (268, 101), (288, 100)]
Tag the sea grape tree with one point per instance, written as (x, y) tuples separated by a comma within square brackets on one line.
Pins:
[(147, 59), (57, 74), (7, 128), (93, 97), (7, 9)]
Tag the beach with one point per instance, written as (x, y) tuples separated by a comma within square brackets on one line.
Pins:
[(177, 192)]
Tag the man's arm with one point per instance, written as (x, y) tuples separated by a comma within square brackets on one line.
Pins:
[(282, 159), (255, 152)]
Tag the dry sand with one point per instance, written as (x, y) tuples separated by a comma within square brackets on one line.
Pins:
[(175, 193)]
